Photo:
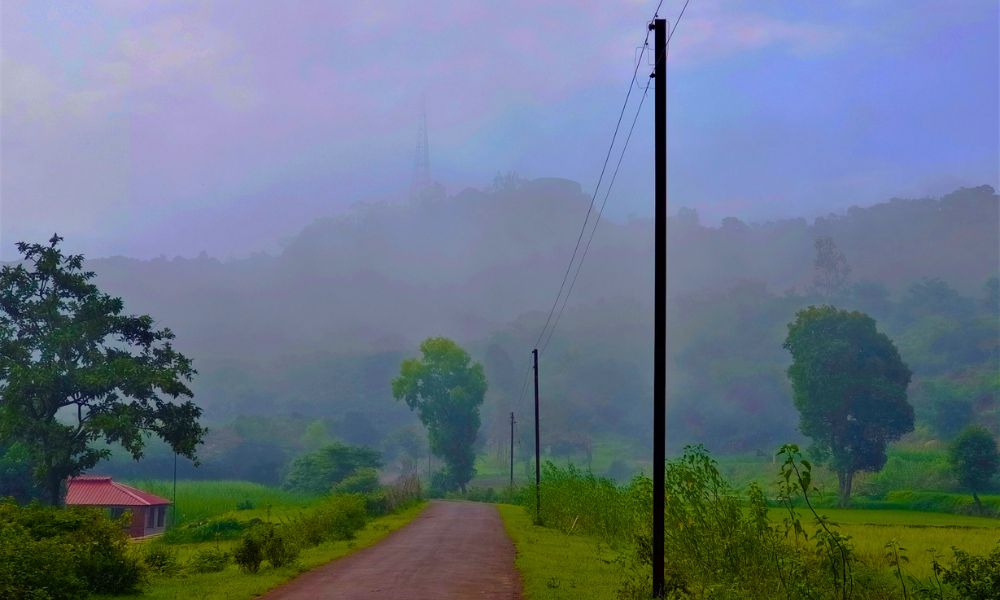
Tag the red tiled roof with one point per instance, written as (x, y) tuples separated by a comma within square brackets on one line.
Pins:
[(99, 490)]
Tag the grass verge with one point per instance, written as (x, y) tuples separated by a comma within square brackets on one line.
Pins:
[(557, 566), (232, 584)]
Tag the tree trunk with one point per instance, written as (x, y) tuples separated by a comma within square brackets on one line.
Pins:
[(845, 480)]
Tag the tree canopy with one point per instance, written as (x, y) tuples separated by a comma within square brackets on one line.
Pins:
[(446, 389), (75, 369), (973, 455), (318, 472), (849, 386)]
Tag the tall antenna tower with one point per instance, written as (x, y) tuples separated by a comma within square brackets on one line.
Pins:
[(422, 159)]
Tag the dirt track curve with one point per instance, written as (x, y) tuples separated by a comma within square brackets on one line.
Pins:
[(451, 550)]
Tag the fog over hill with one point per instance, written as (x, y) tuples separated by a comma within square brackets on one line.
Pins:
[(320, 329)]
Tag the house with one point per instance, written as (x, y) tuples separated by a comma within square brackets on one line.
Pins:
[(149, 512)]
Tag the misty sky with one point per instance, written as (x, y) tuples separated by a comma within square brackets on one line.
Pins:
[(148, 128)]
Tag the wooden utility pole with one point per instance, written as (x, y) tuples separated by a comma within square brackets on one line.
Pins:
[(512, 451), (538, 448), (659, 27)]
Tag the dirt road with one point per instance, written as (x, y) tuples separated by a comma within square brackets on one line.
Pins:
[(451, 550)]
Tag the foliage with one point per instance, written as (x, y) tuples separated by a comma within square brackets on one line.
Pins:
[(975, 577), (249, 553), (973, 455), (316, 472), (401, 494), (91, 549), (208, 560), (849, 385), (446, 389), (334, 518), (277, 546), (161, 558), (831, 268), (361, 481), (67, 348)]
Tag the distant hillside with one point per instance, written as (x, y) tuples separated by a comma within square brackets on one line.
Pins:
[(319, 329)]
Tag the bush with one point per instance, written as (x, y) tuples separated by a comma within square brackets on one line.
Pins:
[(361, 481), (208, 530), (86, 544), (245, 505), (336, 518), (279, 549), (403, 493), (36, 569), (209, 560), (975, 577), (160, 558), (249, 552)]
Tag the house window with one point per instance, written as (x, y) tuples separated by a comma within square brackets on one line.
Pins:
[(161, 512)]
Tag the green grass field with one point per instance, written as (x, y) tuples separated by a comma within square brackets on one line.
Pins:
[(197, 500), (555, 566)]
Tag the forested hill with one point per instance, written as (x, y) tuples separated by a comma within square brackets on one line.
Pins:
[(320, 329), (385, 276)]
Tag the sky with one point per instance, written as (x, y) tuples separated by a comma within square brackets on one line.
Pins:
[(170, 128)]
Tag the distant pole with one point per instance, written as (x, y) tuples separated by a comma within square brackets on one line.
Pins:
[(660, 303), (538, 448), (512, 451), (173, 508)]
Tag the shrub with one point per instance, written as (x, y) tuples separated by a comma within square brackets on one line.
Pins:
[(975, 577), (38, 569), (361, 481), (208, 560), (160, 558), (249, 552), (208, 530), (95, 548), (336, 518), (279, 549), (246, 504)]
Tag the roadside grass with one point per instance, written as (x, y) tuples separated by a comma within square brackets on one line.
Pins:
[(198, 500), (921, 533), (232, 584), (557, 566)]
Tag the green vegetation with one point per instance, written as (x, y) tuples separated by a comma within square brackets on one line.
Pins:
[(557, 566), (446, 389), (727, 543), (198, 501), (318, 472), (68, 349), (973, 455), (49, 553), (849, 386)]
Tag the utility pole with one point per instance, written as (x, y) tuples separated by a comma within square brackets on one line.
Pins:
[(512, 451), (538, 448), (659, 27), (173, 508)]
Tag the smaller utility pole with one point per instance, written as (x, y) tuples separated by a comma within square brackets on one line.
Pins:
[(512, 451), (538, 447), (173, 508)]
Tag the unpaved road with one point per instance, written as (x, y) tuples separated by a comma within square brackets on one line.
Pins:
[(451, 550)]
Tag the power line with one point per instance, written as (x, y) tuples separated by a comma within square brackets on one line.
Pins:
[(597, 220), (600, 179)]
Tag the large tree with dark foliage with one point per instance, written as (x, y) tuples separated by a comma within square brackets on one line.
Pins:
[(446, 389), (75, 369), (849, 385), (974, 457)]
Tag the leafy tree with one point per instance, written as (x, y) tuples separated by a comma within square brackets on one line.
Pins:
[(317, 472), (446, 389), (75, 369), (849, 385), (831, 267), (973, 455)]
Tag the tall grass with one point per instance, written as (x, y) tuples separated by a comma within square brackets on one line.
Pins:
[(200, 500)]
